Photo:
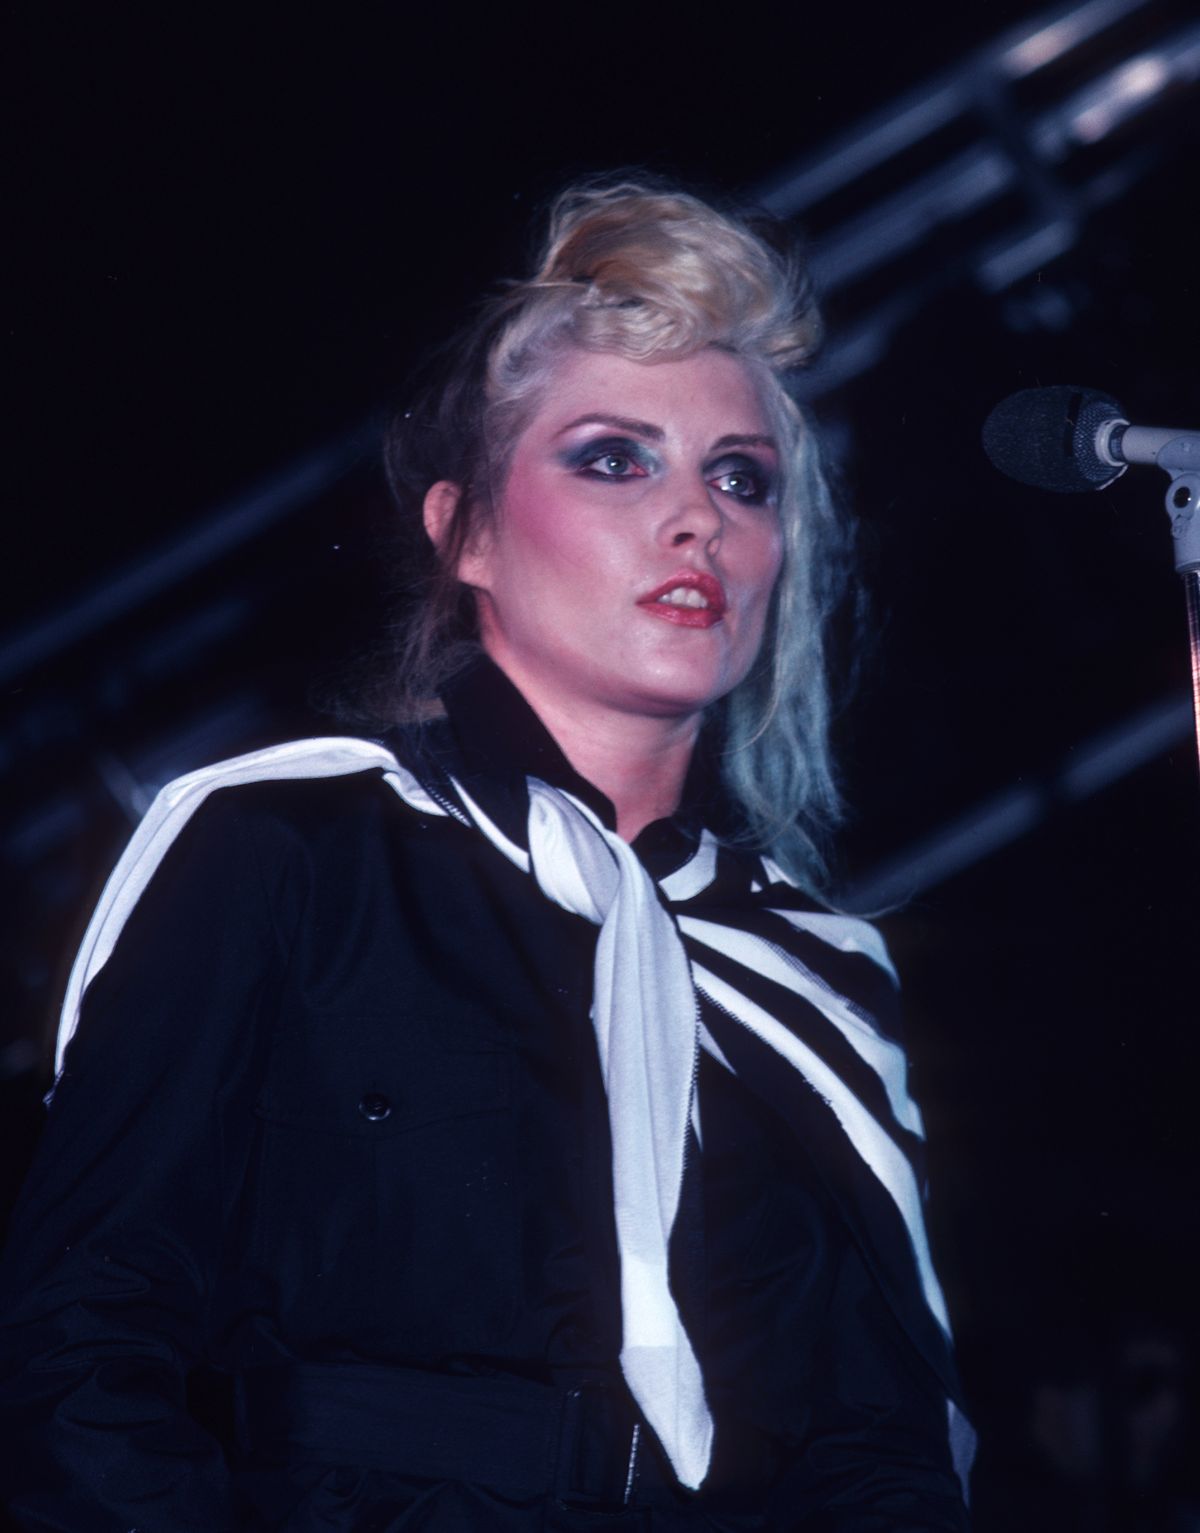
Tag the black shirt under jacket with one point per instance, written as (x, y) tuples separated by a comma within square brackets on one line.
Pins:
[(335, 1099)]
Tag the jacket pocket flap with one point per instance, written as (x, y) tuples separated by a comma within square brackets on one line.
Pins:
[(378, 1092)]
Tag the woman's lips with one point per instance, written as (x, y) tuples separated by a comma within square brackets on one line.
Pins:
[(687, 616)]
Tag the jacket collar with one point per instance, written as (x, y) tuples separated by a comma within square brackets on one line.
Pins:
[(492, 740)]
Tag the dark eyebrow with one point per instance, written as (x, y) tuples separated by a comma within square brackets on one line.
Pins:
[(620, 422), (656, 433), (745, 441)]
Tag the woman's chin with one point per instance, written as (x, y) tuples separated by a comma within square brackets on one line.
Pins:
[(671, 695)]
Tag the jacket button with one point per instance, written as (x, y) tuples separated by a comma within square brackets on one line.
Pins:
[(375, 1107)]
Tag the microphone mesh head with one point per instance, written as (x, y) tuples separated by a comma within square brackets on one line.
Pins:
[(1047, 438)]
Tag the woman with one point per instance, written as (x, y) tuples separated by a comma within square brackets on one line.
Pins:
[(495, 1105)]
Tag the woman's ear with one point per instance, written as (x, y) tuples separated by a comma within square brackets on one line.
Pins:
[(441, 502)]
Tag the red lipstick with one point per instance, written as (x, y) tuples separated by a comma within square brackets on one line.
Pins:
[(709, 588)]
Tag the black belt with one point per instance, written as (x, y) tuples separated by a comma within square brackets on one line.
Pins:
[(584, 1444)]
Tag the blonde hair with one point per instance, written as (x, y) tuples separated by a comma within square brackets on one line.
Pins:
[(652, 274)]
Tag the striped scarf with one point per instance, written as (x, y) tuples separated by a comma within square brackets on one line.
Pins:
[(740, 968)]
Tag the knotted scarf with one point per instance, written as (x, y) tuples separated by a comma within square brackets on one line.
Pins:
[(675, 971)]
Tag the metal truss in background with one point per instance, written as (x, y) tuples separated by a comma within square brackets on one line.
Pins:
[(1004, 818), (1000, 182)]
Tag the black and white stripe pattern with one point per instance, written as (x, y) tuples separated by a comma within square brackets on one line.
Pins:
[(699, 961)]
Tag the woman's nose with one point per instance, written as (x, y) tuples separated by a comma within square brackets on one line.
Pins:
[(695, 519)]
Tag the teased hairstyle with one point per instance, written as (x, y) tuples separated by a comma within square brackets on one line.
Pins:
[(651, 274)]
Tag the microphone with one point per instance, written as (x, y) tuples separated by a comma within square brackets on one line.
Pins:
[(1068, 439)]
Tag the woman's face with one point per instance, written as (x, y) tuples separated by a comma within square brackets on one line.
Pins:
[(631, 558)]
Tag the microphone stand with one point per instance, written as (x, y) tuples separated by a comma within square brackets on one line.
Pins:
[(1180, 458)]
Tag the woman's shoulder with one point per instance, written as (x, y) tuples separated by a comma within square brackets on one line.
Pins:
[(237, 844), (281, 818), (298, 791)]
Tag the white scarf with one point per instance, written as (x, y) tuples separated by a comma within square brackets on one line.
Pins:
[(649, 973)]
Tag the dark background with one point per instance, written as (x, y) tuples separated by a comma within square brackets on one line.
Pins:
[(235, 234)]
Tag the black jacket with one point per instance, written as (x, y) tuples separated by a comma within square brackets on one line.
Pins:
[(335, 1103)]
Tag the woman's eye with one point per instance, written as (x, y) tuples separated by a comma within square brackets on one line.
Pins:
[(613, 465), (742, 483)]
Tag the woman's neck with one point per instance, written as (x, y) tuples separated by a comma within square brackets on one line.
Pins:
[(639, 763)]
